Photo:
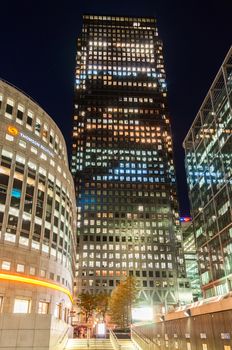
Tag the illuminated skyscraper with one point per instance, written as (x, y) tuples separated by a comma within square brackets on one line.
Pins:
[(208, 148), (122, 161)]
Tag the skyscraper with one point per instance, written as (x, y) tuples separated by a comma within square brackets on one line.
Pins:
[(208, 149), (122, 161)]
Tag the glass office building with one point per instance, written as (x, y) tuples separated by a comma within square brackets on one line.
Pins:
[(190, 257), (122, 161), (208, 148)]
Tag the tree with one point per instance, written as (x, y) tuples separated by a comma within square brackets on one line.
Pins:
[(102, 301), (121, 301), (87, 304)]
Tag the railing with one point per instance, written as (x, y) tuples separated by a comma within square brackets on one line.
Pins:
[(114, 341), (143, 342), (61, 339)]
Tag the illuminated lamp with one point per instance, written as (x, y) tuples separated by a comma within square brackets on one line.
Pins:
[(187, 312), (144, 313), (33, 281), (185, 219)]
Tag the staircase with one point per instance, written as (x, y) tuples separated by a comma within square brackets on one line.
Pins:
[(84, 344), (126, 344)]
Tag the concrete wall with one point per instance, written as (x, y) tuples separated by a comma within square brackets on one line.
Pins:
[(210, 331), (33, 332)]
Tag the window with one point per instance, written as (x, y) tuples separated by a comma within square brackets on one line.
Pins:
[(42, 273), (9, 108), (43, 307), (29, 119), (6, 265), (20, 112), (22, 144), (9, 137), (20, 268), (58, 311), (1, 302), (21, 306)]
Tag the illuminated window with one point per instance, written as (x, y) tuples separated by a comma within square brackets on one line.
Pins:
[(9, 137), (34, 150), (58, 311), (42, 273), (20, 268), (6, 265), (43, 307), (21, 306), (22, 144), (1, 303)]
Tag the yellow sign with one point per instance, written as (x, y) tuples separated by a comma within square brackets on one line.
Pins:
[(12, 130)]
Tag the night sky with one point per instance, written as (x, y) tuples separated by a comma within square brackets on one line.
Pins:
[(38, 47)]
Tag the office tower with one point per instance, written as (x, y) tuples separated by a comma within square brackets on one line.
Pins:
[(37, 226), (122, 161), (190, 257), (208, 149)]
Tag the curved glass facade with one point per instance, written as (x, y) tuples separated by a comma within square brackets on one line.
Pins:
[(37, 209)]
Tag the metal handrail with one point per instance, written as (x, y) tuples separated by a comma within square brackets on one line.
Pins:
[(143, 337), (143, 342), (114, 341), (63, 336)]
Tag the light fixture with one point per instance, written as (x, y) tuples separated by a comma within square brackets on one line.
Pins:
[(28, 280), (187, 312)]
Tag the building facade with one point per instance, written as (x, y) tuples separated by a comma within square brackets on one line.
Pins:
[(122, 162), (208, 148), (190, 257), (37, 226)]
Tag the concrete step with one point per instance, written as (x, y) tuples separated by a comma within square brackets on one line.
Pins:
[(84, 344), (126, 344)]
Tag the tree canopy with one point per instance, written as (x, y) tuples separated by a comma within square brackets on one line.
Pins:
[(102, 302), (87, 304), (121, 300)]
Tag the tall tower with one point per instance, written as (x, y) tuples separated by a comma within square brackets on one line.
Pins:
[(122, 161)]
